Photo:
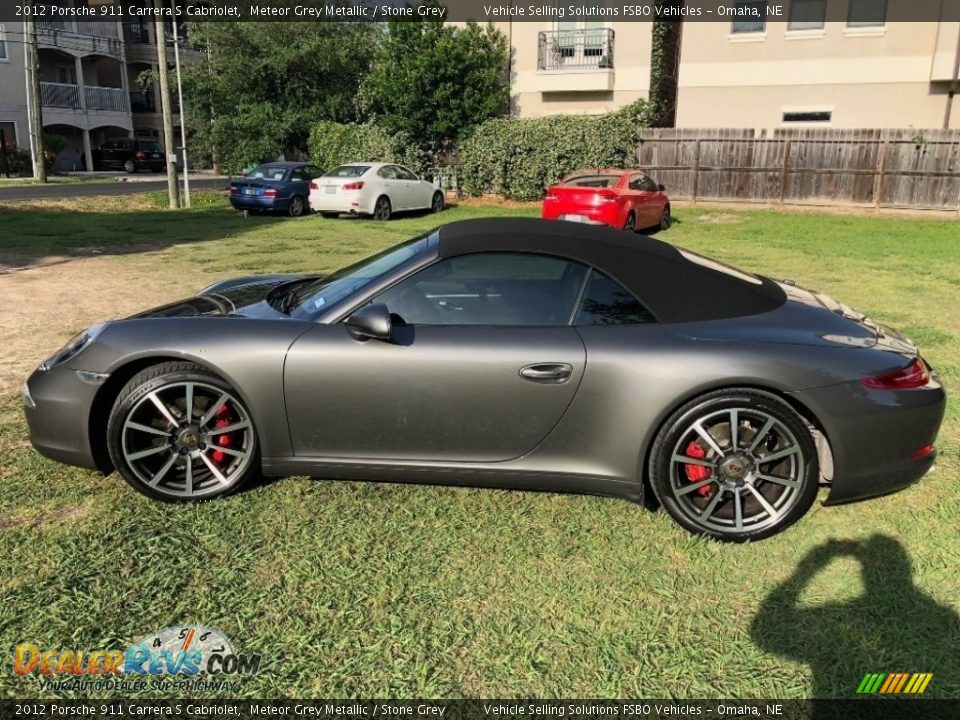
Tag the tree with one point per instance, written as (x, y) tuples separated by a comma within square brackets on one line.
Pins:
[(436, 83), (264, 85), (665, 63)]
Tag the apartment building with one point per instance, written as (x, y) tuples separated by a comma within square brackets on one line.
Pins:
[(806, 69), (95, 83)]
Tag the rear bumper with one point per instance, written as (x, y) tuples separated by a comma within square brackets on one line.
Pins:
[(341, 202), (607, 214), (874, 435), (253, 202)]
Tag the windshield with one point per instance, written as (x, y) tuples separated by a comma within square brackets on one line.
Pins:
[(268, 172), (309, 300), (348, 171)]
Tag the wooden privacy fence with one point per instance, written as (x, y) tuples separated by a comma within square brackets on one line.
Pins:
[(874, 167)]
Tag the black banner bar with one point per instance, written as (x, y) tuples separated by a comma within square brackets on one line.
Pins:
[(724, 11), (866, 709)]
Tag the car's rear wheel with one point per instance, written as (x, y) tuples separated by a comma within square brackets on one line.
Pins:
[(297, 206), (665, 218), (382, 208), (436, 205), (630, 224), (735, 465), (129, 167), (178, 432)]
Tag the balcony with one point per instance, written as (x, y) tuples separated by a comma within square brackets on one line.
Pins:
[(575, 60), (100, 99), (142, 102), (79, 37)]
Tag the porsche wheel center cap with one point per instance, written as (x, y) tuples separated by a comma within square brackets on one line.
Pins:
[(189, 438), (735, 467)]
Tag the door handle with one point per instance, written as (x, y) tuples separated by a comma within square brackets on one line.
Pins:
[(549, 373)]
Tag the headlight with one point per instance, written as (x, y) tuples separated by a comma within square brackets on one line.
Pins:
[(72, 348)]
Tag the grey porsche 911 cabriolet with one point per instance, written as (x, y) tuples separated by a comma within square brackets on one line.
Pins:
[(510, 353)]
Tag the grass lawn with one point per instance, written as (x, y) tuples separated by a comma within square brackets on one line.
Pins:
[(57, 180), (353, 589)]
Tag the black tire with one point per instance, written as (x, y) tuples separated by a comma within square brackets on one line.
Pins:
[(436, 204), (329, 214), (630, 224), (297, 206), (709, 500), (167, 378), (382, 209), (665, 218), (129, 167)]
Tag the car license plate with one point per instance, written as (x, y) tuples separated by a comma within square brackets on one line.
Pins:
[(330, 189), (250, 191), (155, 156), (575, 218)]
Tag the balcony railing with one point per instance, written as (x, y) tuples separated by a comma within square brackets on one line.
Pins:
[(105, 98), (142, 102), (138, 33), (585, 49), (92, 29), (60, 95)]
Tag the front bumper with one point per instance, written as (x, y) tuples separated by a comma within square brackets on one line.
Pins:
[(874, 435), (57, 405)]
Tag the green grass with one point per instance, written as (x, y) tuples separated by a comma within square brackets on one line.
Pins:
[(57, 180), (351, 589)]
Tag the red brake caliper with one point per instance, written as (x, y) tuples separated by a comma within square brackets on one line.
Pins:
[(696, 473), (224, 440)]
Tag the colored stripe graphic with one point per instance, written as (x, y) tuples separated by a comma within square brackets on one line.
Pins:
[(894, 683)]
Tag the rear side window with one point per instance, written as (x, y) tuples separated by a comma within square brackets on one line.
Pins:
[(606, 302)]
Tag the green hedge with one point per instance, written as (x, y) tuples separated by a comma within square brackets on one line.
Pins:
[(519, 158), (333, 144)]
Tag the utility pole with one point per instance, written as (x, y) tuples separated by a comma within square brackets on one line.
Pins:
[(33, 61), (165, 107), (183, 122)]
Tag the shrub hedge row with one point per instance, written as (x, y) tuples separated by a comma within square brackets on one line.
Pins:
[(519, 158), (333, 144)]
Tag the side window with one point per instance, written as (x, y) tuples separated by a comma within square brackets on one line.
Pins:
[(313, 171), (299, 174), (404, 174), (636, 182), (606, 302), (387, 172), (648, 184), (490, 289)]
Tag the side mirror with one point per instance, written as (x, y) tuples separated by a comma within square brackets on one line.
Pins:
[(371, 322), (661, 188)]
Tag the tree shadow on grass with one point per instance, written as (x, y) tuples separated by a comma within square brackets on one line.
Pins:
[(892, 627), (39, 235)]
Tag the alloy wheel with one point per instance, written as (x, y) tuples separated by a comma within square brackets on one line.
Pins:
[(188, 439), (736, 470), (631, 223), (437, 205), (296, 206), (381, 211)]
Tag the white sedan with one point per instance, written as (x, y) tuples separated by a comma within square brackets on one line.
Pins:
[(374, 189)]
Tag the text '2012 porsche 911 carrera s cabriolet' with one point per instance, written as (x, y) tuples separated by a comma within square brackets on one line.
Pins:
[(512, 353)]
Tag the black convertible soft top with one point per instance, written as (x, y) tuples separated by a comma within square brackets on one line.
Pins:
[(674, 287)]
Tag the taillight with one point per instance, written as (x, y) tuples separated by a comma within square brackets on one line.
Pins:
[(914, 375), (314, 186), (270, 192), (606, 197), (922, 452), (233, 189), (353, 185), (139, 155)]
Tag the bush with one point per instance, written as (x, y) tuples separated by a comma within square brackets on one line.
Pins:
[(333, 144), (519, 158)]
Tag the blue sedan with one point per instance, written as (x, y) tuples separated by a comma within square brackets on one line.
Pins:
[(281, 187)]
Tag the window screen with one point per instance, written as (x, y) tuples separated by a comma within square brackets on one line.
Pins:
[(807, 14), (754, 22), (867, 13)]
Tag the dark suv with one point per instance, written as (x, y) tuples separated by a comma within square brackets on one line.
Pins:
[(130, 155)]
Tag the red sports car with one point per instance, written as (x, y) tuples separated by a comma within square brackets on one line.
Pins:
[(623, 199)]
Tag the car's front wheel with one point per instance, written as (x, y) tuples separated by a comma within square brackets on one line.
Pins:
[(129, 167), (436, 205), (178, 432), (630, 224), (735, 465)]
